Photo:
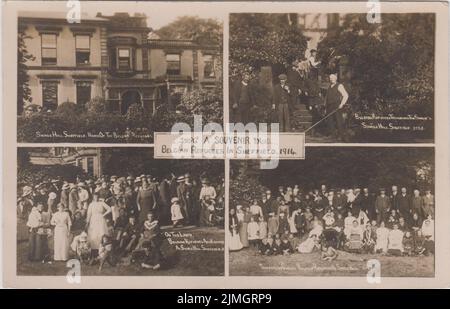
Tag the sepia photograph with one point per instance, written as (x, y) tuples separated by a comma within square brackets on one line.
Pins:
[(118, 212), (115, 77), (336, 77), (333, 213)]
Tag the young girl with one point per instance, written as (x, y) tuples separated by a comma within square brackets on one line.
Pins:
[(368, 239), (382, 239), (272, 224), (175, 211), (105, 252), (262, 228), (253, 232)]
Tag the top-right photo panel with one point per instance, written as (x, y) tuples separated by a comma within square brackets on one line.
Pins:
[(339, 78)]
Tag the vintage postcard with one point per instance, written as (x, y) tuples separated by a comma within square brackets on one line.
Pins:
[(217, 144)]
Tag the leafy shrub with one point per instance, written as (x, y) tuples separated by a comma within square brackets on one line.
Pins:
[(69, 109), (96, 105)]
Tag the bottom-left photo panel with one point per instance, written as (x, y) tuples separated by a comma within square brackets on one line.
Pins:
[(118, 212)]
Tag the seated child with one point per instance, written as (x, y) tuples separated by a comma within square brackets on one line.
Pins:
[(151, 232), (368, 239), (285, 246), (354, 238), (152, 259), (265, 248), (81, 247), (329, 253), (276, 247), (309, 244), (294, 241), (408, 244), (105, 252), (175, 210), (419, 244), (130, 236)]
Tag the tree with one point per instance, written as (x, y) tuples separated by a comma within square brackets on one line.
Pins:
[(264, 39), (204, 31), (347, 168), (391, 63), (23, 87)]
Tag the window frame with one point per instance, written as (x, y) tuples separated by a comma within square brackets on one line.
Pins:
[(82, 50), (43, 63), (130, 59), (213, 63), (43, 85), (171, 61)]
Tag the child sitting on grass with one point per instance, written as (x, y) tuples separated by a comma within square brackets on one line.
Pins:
[(329, 253)]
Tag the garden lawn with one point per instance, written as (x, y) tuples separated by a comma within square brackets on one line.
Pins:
[(249, 262), (182, 263)]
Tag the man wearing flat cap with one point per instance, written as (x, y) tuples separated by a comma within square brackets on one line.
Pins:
[(281, 102), (382, 206)]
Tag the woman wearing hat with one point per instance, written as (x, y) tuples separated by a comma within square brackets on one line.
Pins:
[(24, 206), (65, 195), (62, 222)]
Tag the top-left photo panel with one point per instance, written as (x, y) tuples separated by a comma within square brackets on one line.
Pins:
[(116, 74)]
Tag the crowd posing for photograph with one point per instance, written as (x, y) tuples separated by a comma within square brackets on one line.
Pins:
[(112, 218), (352, 220)]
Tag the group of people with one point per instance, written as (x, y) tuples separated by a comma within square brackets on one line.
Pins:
[(109, 218), (298, 85), (352, 220)]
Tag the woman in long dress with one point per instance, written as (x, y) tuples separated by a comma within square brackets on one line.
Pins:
[(241, 215), (235, 241), (96, 221), (61, 221)]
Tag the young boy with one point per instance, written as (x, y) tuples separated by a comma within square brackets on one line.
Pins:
[(285, 246), (265, 248), (130, 236), (253, 232)]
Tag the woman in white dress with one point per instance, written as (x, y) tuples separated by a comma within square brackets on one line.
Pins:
[(381, 245), (96, 222), (61, 221)]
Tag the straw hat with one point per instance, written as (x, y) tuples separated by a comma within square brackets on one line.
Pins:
[(27, 190)]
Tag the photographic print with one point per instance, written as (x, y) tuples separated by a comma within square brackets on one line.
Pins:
[(118, 212), (115, 76), (330, 214), (337, 77)]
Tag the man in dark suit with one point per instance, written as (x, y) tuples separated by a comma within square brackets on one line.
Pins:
[(241, 98), (368, 204), (404, 205), (382, 206), (395, 198), (281, 102), (357, 203)]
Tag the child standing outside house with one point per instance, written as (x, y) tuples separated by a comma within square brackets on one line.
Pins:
[(253, 232)]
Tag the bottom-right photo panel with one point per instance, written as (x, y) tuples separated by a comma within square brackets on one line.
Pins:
[(343, 211)]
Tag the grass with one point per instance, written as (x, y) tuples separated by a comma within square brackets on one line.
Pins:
[(248, 262), (179, 262)]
